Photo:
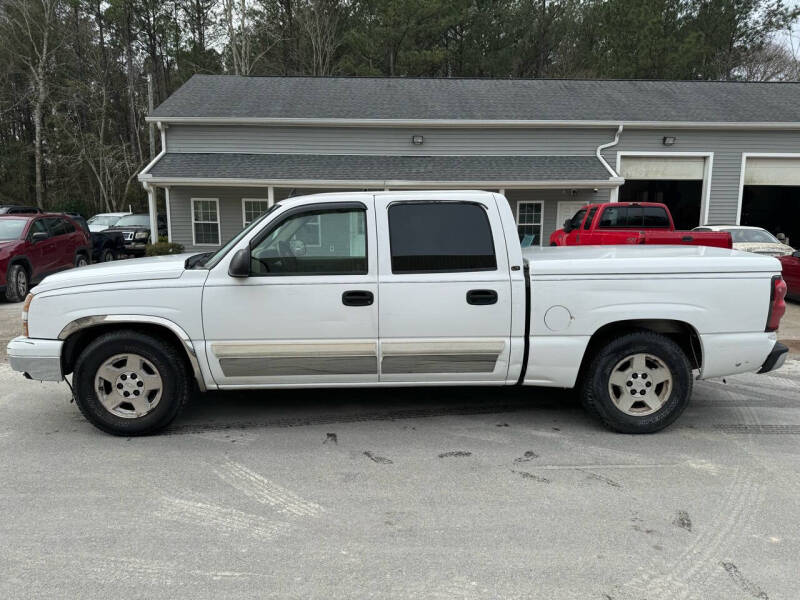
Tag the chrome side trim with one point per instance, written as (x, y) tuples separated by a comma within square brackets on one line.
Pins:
[(95, 320), (438, 363), (265, 366)]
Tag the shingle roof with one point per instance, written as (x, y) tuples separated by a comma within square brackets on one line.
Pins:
[(221, 96), (364, 168)]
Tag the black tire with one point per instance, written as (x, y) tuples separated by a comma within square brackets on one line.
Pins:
[(166, 359), (596, 395), (81, 260), (107, 255), (17, 283)]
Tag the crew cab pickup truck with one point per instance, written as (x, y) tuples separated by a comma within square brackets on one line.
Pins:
[(397, 289), (630, 223)]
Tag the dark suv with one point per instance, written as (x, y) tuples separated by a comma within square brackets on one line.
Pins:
[(34, 246), (136, 232)]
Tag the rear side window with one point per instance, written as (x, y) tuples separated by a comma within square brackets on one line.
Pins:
[(435, 237), (59, 226), (590, 218), (614, 217)]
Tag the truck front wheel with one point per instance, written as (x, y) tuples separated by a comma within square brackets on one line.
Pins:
[(638, 383), (128, 383)]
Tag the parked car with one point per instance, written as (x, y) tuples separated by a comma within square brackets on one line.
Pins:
[(102, 221), (34, 246), (791, 274), (751, 239), (15, 209), (106, 245), (291, 301), (630, 223), (136, 232)]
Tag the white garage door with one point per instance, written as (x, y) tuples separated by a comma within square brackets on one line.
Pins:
[(772, 171), (663, 167)]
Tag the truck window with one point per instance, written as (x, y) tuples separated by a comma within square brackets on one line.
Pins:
[(435, 237), (655, 217), (577, 219), (589, 219), (617, 217), (314, 242)]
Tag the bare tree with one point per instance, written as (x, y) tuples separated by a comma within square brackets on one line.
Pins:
[(318, 20), (771, 62), (31, 27)]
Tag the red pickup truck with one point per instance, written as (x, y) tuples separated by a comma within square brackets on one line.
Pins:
[(631, 223)]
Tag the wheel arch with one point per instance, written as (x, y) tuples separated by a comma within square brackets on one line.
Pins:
[(682, 333), (80, 332), (25, 262)]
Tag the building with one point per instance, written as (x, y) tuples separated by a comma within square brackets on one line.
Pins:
[(715, 152)]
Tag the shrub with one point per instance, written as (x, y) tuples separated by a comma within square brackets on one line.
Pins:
[(162, 248)]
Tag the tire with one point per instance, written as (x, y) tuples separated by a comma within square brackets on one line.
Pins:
[(81, 260), (115, 364), (17, 283), (625, 383), (107, 255)]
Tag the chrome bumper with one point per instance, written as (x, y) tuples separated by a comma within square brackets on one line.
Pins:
[(37, 359)]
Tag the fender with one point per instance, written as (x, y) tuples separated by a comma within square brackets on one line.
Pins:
[(21, 259), (95, 320)]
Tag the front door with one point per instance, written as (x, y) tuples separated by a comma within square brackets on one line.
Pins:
[(308, 312), (445, 310)]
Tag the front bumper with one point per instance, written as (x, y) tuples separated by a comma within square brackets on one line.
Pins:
[(37, 359), (136, 248), (775, 359)]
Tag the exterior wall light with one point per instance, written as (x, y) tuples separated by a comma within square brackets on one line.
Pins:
[(417, 140), (669, 140)]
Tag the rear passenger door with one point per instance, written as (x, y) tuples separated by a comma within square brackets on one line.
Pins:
[(63, 253), (445, 290)]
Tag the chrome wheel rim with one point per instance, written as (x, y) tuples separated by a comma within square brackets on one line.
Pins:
[(81, 262), (22, 283), (640, 384), (128, 386)]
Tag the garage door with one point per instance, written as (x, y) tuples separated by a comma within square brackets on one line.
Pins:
[(663, 168), (772, 171)]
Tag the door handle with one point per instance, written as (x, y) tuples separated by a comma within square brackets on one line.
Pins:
[(687, 238), (357, 298), (481, 297)]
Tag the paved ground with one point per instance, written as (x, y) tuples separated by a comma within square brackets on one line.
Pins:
[(456, 493)]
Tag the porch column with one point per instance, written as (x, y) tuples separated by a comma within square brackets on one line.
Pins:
[(151, 205), (270, 196)]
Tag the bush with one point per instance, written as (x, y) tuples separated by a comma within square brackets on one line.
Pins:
[(162, 248)]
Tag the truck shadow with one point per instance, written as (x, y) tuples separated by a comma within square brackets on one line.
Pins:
[(262, 409)]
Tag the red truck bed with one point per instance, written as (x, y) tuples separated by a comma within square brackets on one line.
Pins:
[(631, 223)]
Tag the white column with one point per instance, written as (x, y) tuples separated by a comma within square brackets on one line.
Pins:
[(151, 204), (502, 191), (169, 222), (270, 196)]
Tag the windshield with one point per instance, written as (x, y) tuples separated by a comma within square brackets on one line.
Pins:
[(576, 221), (104, 220), (11, 229), (215, 258), (750, 236), (134, 221)]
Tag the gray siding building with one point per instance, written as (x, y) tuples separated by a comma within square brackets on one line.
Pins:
[(714, 152)]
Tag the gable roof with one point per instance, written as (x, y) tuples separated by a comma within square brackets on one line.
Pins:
[(356, 99)]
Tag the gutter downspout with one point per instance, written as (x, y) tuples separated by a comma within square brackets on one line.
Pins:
[(151, 191), (614, 175)]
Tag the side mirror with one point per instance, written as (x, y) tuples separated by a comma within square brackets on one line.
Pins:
[(240, 264), (39, 236)]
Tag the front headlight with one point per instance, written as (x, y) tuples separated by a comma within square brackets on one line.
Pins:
[(141, 235), (25, 308)]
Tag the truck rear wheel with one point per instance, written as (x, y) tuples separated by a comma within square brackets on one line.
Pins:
[(128, 383), (638, 383)]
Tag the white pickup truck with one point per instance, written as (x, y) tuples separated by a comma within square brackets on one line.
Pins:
[(399, 289)]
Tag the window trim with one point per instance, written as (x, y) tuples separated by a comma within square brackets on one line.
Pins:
[(439, 271), (333, 207), (541, 217), (244, 212), (218, 223)]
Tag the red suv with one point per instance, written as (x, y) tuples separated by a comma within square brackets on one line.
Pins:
[(34, 246)]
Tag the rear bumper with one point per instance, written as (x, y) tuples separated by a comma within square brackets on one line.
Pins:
[(775, 359), (35, 358)]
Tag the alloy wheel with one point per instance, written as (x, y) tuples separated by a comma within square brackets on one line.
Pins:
[(128, 386), (640, 384)]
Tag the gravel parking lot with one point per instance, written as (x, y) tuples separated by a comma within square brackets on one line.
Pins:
[(415, 493)]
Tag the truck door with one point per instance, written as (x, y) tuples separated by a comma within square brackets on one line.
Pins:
[(308, 312), (445, 289)]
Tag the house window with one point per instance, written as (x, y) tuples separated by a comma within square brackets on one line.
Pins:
[(252, 208), (529, 221), (205, 221)]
